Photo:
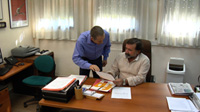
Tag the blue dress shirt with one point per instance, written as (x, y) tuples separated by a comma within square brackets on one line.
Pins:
[(88, 49)]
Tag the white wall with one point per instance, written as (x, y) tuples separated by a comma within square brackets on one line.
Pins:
[(8, 36), (160, 56)]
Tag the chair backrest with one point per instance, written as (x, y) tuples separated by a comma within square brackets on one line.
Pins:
[(146, 49), (44, 63)]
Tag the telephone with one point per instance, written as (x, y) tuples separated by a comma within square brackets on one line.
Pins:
[(11, 60)]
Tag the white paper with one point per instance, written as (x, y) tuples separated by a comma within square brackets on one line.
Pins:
[(97, 95), (121, 93), (198, 95), (81, 78), (86, 86), (180, 104), (193, 108), (88, 92), (105, 76), (59, 82)]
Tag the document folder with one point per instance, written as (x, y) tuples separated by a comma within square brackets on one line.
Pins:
[(64, 95), (194, 98), (59, 84)]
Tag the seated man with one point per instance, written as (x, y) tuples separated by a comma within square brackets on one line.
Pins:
[(131, 66)]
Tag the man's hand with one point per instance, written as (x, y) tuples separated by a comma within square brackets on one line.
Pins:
[(104, 62), (94, 68), (118, 82)]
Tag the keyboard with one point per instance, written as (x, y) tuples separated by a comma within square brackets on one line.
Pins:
[(5, 69)]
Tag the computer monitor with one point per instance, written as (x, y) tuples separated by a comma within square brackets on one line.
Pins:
[(1, 57)]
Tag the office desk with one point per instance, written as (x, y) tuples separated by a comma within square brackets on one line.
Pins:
[(18, 73), (32, 58), (28, 61), (15, 70), (147, 97)]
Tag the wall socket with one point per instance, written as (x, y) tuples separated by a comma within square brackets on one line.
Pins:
[(2, 24)]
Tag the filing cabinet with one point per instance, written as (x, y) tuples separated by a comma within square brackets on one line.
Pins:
[(5, 105)]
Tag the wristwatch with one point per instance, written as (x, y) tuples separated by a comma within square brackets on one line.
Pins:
[(124, 82)]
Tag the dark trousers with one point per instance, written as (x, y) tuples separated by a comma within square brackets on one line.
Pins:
[(97, 62)]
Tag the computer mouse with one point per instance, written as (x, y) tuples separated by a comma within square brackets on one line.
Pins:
[(21, 64)]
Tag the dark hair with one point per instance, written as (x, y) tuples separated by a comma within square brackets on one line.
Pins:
[(136, 41), (96, 31)]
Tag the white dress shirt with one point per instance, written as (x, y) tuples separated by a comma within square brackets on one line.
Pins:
[(135, 71)]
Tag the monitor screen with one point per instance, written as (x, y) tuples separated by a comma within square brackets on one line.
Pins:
[(1, 57)]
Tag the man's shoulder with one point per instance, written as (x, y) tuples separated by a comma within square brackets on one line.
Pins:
[(144, 57), (106, 31), (84, 36)]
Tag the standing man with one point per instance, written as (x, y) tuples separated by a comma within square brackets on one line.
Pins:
[(131, 66), (90, 47)]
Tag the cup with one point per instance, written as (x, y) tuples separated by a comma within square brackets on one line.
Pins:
[(78, 93)]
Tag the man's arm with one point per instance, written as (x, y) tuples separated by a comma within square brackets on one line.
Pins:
[(78, 53), (106, 50), (114, 71)]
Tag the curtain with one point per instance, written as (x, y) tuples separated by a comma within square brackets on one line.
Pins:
[(124, 18), (60, 19), (66, 19), (179, 23)]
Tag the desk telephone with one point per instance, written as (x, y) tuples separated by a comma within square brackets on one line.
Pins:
[(11, 60)]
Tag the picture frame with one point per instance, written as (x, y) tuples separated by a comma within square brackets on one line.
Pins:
[(18, 11), (1, 10)]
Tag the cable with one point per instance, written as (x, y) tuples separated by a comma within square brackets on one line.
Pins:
[(198, 79)]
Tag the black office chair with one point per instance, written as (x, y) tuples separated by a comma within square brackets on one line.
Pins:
[(146, 49), (45, 70)]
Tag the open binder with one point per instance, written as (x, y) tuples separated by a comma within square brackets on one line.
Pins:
[(180, 88), (102, 85)]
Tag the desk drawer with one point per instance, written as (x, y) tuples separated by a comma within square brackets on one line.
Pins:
[(5, 105), (4, 93)]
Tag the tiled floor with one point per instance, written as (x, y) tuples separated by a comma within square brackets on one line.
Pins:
[(17, 103)]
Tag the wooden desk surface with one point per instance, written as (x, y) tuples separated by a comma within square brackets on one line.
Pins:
[(32, 58), (147, 97), (15, 70)]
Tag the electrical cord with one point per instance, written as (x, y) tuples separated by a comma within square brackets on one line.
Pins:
[(197, 87)]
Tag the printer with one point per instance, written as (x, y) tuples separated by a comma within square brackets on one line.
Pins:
[(24, 51), (63, 96)]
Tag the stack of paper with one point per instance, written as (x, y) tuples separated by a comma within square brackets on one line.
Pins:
[(180, 88), (180, 105), (195, 98), (86, 86), (81, 78), (121, 93), (106, 76), (58, 84), (92, 94)]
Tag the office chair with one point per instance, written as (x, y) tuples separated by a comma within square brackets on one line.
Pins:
[(146, 49), (44, 65)]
